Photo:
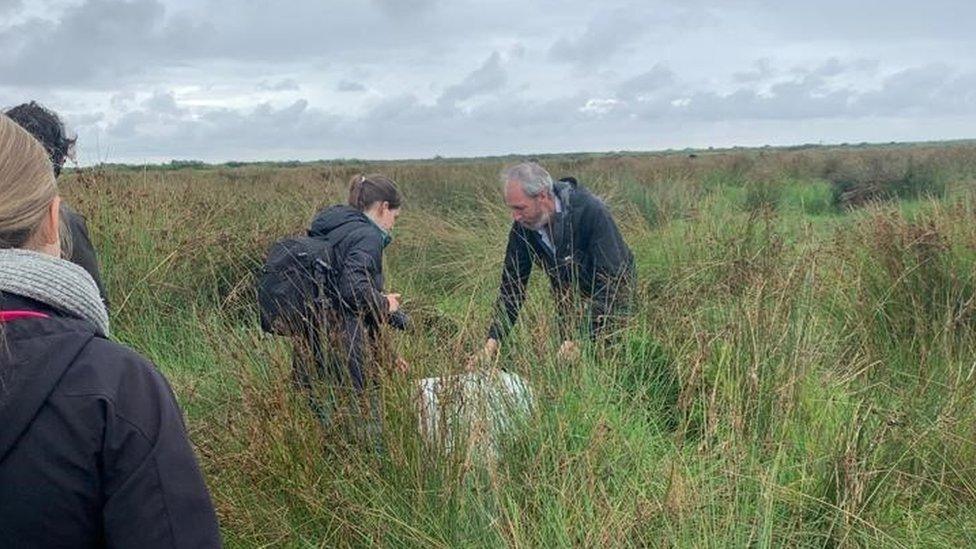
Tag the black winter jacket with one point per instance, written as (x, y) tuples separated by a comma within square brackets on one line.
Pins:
[(93, 450), (82, 251), (590, 255), (358, 245)]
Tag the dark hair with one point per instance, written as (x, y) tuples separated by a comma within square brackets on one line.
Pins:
[(46, 126), (366, 190)]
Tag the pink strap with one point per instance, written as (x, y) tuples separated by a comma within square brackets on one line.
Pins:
[(7, 316)]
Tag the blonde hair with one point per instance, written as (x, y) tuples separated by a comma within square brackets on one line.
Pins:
[(27, 185)]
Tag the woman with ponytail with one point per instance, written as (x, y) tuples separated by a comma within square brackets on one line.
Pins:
[(93, 450), (359, 231)]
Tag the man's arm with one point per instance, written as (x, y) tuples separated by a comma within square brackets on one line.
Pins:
[(613, 266), (515, 275)]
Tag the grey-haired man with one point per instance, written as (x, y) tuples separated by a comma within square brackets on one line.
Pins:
[(568, 232)]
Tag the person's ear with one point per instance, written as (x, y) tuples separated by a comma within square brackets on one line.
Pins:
[(51, 226), (47, 237)]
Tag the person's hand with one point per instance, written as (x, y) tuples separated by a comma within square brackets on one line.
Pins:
[(401, 365), (569, 351), (484, 356), (394, 301)]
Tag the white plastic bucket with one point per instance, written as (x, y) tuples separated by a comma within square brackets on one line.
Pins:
[(474, 409)]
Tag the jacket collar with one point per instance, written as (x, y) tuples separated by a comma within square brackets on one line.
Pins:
[(563, 189), (387, 237)]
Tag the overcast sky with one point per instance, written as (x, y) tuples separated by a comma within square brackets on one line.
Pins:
[(215, 80)]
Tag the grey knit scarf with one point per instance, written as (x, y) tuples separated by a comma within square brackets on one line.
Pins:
[(55, 282)]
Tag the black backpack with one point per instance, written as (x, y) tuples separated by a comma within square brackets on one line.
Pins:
[(296, 283)]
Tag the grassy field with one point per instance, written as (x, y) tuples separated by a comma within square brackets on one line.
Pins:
[(800, 370)]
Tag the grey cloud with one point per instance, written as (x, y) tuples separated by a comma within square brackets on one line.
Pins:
[(929, 91), (162, 103), (865, 20), (394, 127), (517, 51), (920, 91), (834, 66), (762, 69), (95, 40), (404, 108), (403, 125), (658, 77), (288, 84), (606, 34), (400, 8), (808, 95), (82, 120), (831, 67), (408, 127), (10, 6), (350, 86), (121, 101), (99, 43), (491, 76), (802, 98), (307, 31), (531, 115), (865, 65), (158, 114), (220, 133), (130, 125)]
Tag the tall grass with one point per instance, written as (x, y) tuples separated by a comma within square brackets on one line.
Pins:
[(795, 374)]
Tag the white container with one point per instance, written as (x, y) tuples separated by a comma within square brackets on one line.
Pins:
[(473, 409)]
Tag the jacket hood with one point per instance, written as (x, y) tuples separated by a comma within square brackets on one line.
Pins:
[(334, 217), (336, 222), (568, 181), (564, 189), (36, 354)]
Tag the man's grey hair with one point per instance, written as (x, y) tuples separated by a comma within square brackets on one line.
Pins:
[(533, 178)]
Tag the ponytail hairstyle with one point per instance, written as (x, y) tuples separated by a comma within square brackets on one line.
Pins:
[(366, 190)]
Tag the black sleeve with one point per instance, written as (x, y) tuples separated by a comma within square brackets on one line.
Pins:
[(612, 268), (154, 492), (515, 275), (360, 264), (82, 252)]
